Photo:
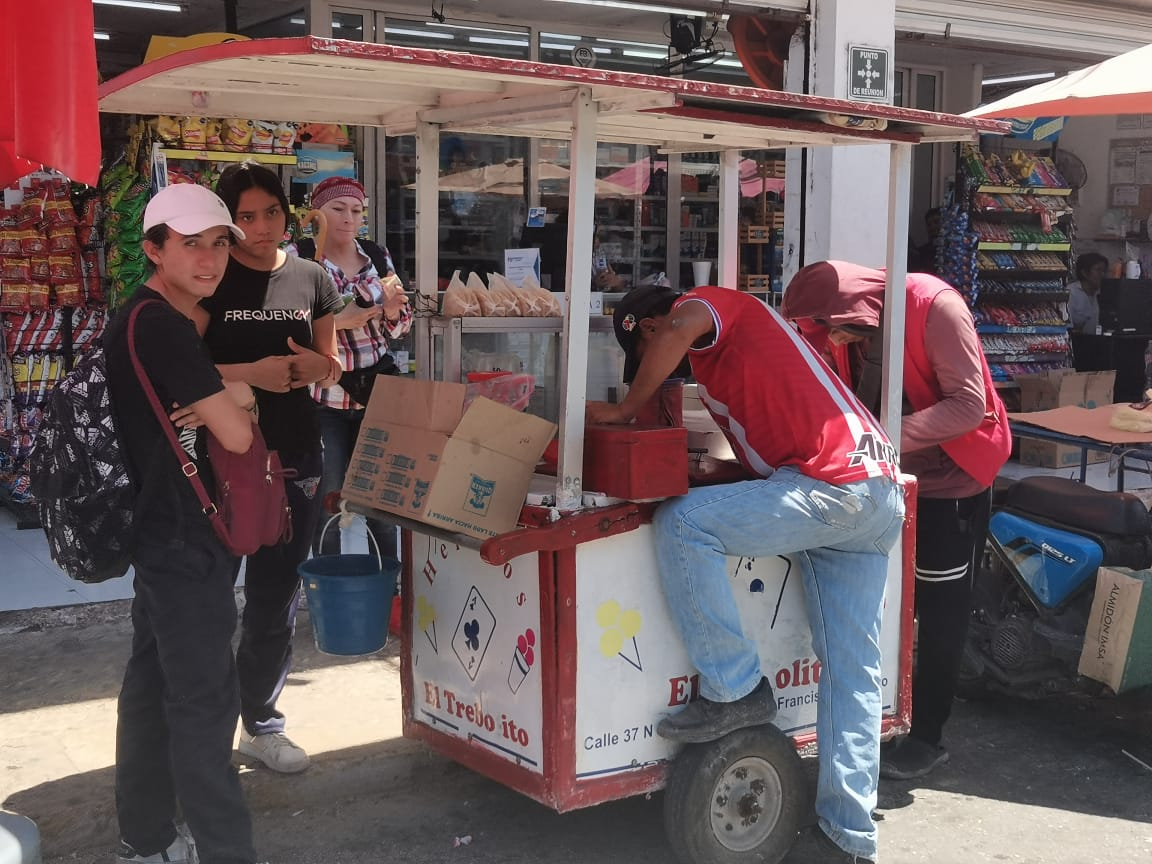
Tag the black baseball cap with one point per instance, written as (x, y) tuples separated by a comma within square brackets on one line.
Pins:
[(645, 301)]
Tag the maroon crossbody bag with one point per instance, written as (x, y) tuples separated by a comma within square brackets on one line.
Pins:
[(251, 508)]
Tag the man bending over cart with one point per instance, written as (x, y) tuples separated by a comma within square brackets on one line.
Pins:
[(828, 495)]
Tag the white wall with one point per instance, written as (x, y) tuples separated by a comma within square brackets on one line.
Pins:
[(1090, 138)]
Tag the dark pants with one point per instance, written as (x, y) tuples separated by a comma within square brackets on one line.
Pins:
[(338, 430), (271, 594), (179, 702), (949, 532)]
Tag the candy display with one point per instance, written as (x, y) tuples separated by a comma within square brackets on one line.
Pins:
[(49, 264), (1019, 168), (125, 195), (1024, 234), (233, 134), (1031, 261), (1020, 260), (956, 252)]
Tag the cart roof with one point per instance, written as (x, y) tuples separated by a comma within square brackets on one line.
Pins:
[(334, 81)]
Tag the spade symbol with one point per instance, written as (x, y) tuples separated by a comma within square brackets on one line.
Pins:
[(472, 634)]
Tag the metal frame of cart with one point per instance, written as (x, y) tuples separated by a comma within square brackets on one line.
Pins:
[(549, 572)]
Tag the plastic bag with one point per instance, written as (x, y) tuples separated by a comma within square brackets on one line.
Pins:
[(459, 300)]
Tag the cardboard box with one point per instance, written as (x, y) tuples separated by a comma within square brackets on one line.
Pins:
[(420, 454), (1118, 641), (1054, 389)]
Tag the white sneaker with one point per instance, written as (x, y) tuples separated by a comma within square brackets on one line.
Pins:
[(275, 750), (180, 852)]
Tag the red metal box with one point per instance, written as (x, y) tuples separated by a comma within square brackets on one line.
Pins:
[(636, 462)]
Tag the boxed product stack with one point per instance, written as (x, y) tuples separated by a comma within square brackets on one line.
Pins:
[(51, 305)]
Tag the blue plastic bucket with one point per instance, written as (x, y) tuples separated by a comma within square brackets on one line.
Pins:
[(349, 600)]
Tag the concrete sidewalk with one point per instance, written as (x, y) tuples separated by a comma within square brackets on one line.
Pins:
[(1028, 782), (60, 677)]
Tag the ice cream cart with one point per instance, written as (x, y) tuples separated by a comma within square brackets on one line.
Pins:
[(544, 656)]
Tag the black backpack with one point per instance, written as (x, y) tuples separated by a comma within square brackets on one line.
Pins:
[(79, 477)]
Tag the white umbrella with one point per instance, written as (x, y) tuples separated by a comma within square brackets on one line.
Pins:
[(1122, 85)]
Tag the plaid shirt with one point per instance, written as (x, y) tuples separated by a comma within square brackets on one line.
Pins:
[(363, 347)]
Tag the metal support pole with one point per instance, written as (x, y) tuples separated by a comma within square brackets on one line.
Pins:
[(578, 278), (895, 290), (427, 239), (728, 241)]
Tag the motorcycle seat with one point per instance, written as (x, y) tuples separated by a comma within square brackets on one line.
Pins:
[(1062, 500)]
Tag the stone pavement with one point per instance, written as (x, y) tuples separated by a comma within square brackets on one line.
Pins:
[(1034, 782)]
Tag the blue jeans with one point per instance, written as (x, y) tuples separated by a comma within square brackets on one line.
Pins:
[(839, 536), (339, 430)]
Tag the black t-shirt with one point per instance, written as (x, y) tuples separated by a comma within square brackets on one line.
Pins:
[(253, 313), (181, 370)]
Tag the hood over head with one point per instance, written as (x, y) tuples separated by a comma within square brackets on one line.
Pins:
[(836, 292)]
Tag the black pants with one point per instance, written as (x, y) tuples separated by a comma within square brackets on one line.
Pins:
[(949, 536), (179, 702), (271, 593)]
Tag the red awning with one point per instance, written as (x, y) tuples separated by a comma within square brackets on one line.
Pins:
[(48, 102)]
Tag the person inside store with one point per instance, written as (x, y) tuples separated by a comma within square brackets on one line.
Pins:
[(954, 437), (827, 491), (180, 698), (1084, 293), (552, 240), (922, 258), (375, 310), (272, 325)]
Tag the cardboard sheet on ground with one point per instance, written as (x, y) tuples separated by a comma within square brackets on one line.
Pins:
[(1084, 423)]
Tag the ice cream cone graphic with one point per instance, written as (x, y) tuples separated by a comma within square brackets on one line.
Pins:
[(426, 620), (620, 627), (523, 657)]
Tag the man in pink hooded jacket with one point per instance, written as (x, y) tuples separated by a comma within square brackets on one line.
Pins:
[(954, 437)]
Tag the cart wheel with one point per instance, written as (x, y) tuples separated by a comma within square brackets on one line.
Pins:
[(737, 800)]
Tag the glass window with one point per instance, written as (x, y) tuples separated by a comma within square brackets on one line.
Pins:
[(642, 58), (479, 217), (491, 40), (289, 24), (350, 26)]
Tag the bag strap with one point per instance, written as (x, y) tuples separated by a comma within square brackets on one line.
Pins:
[(187, 466)]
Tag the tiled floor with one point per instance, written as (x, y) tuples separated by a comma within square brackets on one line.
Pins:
[(29, 579)]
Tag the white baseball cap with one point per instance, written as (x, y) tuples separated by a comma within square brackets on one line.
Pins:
[(188, 208)]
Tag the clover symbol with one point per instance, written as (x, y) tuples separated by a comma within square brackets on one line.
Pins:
[(472, 634)]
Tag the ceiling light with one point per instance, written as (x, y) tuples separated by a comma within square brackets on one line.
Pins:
[(652, 45), (502, 30), (560, 36), (150, 5), (646, 55), (488, 40), (639, 7), (560, 46), (1016, 79), (101, 37), (418, 34)]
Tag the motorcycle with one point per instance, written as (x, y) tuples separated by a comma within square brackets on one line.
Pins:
[(1047, 537)]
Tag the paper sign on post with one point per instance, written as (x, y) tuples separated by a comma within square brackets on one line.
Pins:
[(519, 263)]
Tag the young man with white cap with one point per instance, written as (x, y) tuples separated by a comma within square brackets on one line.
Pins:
[(827, 494), (180, 699)]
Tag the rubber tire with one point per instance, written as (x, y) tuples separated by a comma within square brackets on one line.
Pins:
[(692, 783)]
